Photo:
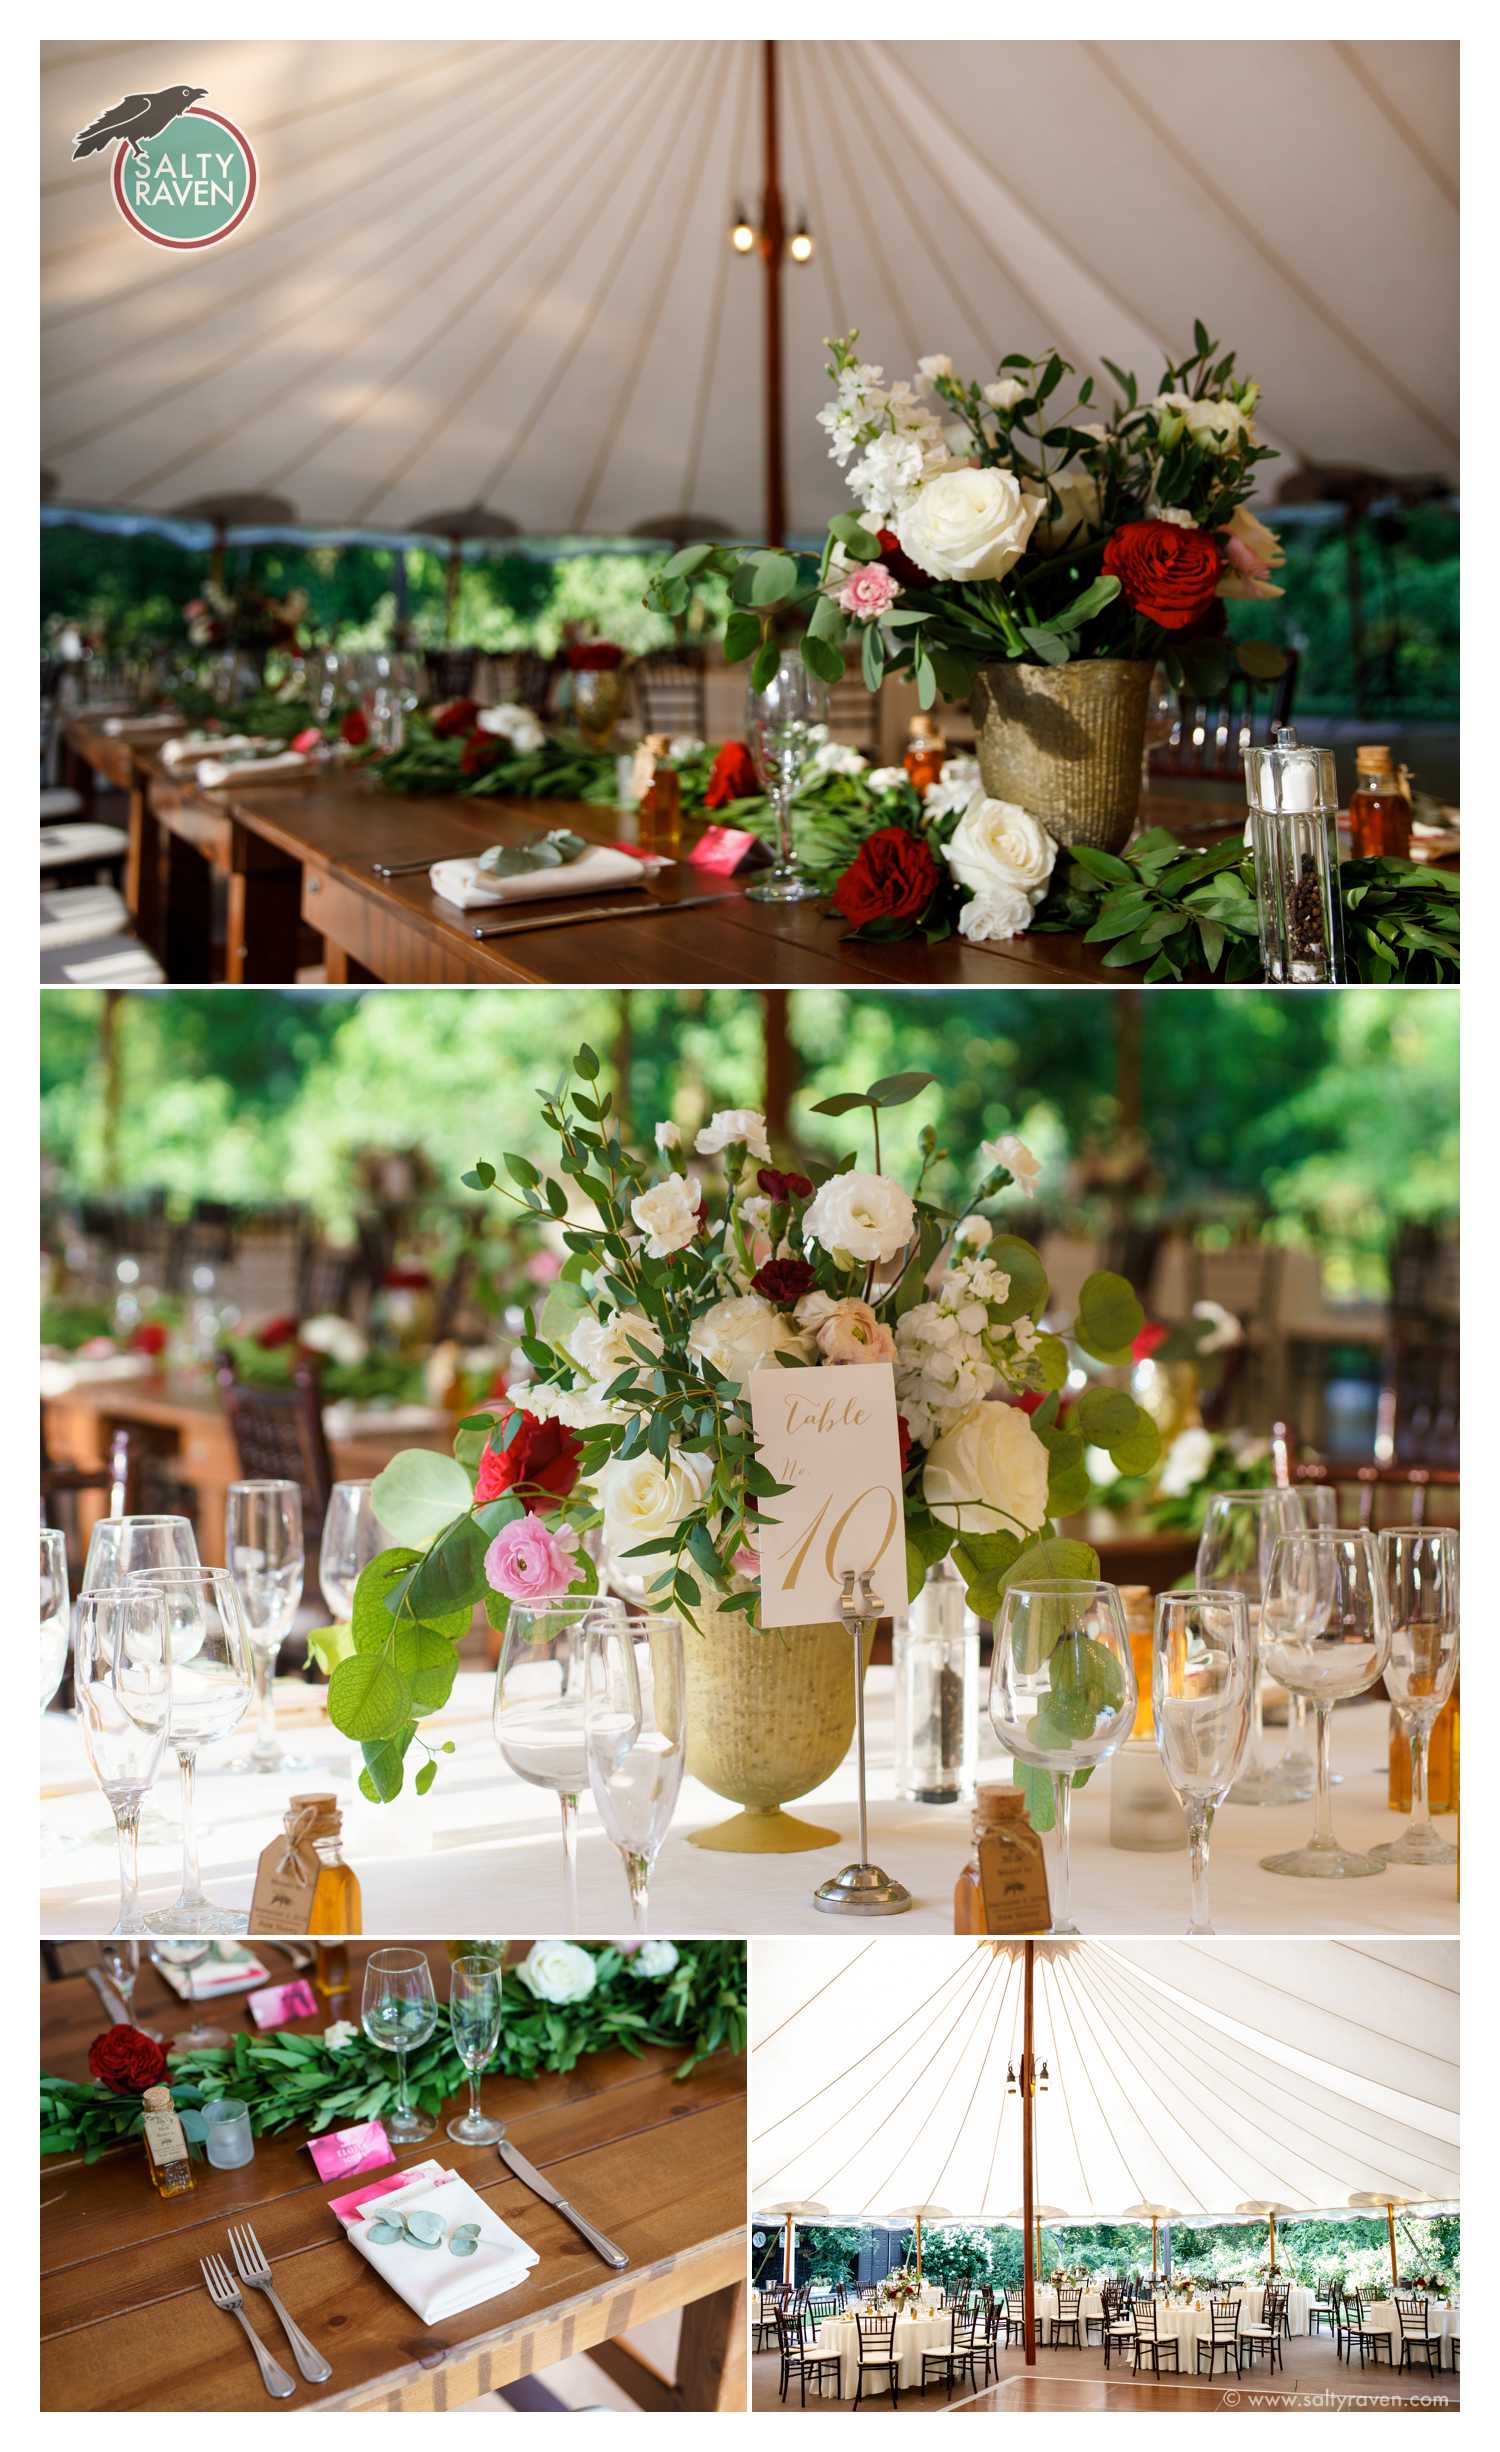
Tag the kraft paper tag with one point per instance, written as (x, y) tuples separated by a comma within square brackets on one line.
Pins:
[(832, 1436), (285, 1880), (1013, 1880)]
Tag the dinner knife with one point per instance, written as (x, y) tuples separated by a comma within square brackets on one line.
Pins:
[(600, 911), (515, 2161), (110, 2001)]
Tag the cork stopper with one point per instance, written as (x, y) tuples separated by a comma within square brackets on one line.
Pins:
[(994, 1806), (926, 729), (324, 1807), (1375, 754), (157, 2098)]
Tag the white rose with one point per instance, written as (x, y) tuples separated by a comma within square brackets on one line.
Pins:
[(930, 369), (667, 1215), (997, 843), (734, 1124), (339, 1339), (642, 1499), (1216, 424), (957, 783), (741, 1335), (1016, 1158), (514, 724), (655, 1958), (602, 1347), (1004, 912), (988, 1474), (867, 1216), (971, 523), (558, 1971), (1187, 1460), (1004, 392), (668, 1137)]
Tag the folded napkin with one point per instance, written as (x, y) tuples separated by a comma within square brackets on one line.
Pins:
[(344, 1419), (189, 746), (433, 2282), (212, 772), (596, 871)]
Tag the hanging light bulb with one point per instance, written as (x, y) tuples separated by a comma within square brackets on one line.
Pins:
[(741, 231), (800, 245)]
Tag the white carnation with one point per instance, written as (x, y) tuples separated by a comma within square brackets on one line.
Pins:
[(339, 1339), (1005, 391), (667, 1215), (993, 918), (956, 785), (1017, 1160), (731, 1124), (887, 778), (930, 369), (515, 724)]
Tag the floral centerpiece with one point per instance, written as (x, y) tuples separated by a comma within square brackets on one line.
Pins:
[(901, 2289), (686, 1273)]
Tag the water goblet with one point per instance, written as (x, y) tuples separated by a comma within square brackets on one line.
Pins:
[(1240, 1530), (539, 1707), (263, 1552), (122, 1545), (211, 1686), (54, 1611), (1202, 1673), (184, 1955), (1062, 1695), (122, 1687), (399, 2012), (1295, 1776), (474, 2010), (1325, 1633), (780, 720), (635, 1731), (352, 1536), (1421, 1579)]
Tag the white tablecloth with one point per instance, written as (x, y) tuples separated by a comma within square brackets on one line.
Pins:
[(913, 2336), (1440, 2320), (1090, 2304), (482, 1834)]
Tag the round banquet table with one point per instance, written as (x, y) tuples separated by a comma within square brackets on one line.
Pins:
[(913, 2336), (1090, 2304), (1440, 2320)]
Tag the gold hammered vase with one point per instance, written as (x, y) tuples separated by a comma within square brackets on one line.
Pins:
[(770, 1717), (1065, 741)]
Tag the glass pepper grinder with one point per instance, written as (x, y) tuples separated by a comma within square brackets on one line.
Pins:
[(935, 1657), (1294, 816)]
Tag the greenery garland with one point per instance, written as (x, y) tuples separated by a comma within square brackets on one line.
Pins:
[(288, 2080)]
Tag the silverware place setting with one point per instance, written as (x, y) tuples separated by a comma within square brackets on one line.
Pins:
[(253, 2269)]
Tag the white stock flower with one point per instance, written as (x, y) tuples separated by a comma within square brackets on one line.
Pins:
[(942, 1369), (655, 1958), (887, 778), (580, 1408), (339, 1339), (994, 917), (641, 1499), (1017, 1160), (931, 369), (988, 1473), (745, 1124), (602, 1347), (1005, 391), (515, 724), (997, 843), (1186, 1461), (685, 746), (968, 523), (558, 1971), (667, 1215), (867, 1216), (742, 1334), (956, 785), (835, 758)]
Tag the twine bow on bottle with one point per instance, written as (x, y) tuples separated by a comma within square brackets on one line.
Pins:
[(299, 1833)]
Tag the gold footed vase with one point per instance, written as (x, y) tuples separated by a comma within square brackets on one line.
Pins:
[(770, 1717), (1065, 741)]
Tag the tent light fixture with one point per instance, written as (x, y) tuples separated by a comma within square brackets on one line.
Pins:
[(800, 245), (742, 232)]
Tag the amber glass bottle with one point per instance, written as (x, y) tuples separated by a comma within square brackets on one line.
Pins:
[(166, 2147), (1379, 811), (1442, 1762), (336, 1904), (925, 752), (997, 1813)]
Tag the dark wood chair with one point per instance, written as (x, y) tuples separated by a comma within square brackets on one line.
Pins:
[(967, 2341), (279, 1436), (118, 1482), (877, 2355), (801, 2360), (325, 1275), (1363, 2336), (1364, 1490), (1209, 736), (1411, 2315), (1418, 1406), (671, 691), (1068, 2319), (1150, 2342), (1265, 2335), (1223, 2335)]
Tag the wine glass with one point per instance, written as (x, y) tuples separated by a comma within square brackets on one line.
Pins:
[(1325, 1633), (474, 2006), (352, 1536), (1239, 1532), (263, 1551), (54, 1611), (1202, 1673), (122, 1545), (212, 1682), (1062, 1694), (635, 1731), (121, 1962), (779, 720), (1421, 1581), (399, 2012), (185, 1955), (122, 1686), (539, 1707), (1295, 1776)]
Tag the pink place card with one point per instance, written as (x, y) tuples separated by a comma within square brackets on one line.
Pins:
[(278, 2004), (364, 2147), (723, 849), (832, 1435), (348, 2207)]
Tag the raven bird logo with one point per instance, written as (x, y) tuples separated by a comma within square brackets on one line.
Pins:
[(138, 116)]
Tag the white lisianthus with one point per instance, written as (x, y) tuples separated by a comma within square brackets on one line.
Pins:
[(887, 778), (685, 746), (988, 1474), (997, 843), (558, 1971), (1013, 1154), (655, 1958), (1216, 424), (992, 918), (342, 2032), (339, 1339), (1186, 1461), (932, 369), (1172, 515), (641, 1499), (1005, 391), (731, 1124), (515, 724), (742, 1334), (976, 1232), (956, 785), (667, 1136), (867, 1216), (602, 1347), (667, 1215), (969, 523)]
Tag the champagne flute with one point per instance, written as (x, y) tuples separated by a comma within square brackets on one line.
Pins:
[(399, 2013), (474, 2008), (211, 1683), (1421, 1579), (185, 1955), (1202, 1672), (263, 1550), (1325, 1633), (122, 1684), (780, 720), (538, 1714), (1295, 1776), (635, 1730), (1062, 1695), (54, 1611), (1239, 1532), (352, 1536)]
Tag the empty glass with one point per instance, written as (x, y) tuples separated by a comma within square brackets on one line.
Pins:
[(399, 2012), (539, 1708), (1325, 1633), (1062, 1695), (212, 1682), (122, 1545), (263, 1550), (1240, 1530), (474, 2006), (352, 1536), (122, 1688), (1202, 1673), (779, 720), (121, 1963), (1295, 1776), (635, 1729), (54, 1611), (185, 1955), (1421, 1582)]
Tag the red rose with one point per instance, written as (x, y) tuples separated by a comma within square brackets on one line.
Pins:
[(126, 2061), (450, 722), (893, 876), (543, 1455), (482, 750), (1154, 1333), (899, 564), (354, 729), (595, 656), (783, 1281), (1169, 574), (149, 1338), (279, 1331), (783, 1188), (734, 777)]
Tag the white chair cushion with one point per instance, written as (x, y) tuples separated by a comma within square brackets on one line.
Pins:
[(59, 803), (65, 846), (76, 915)]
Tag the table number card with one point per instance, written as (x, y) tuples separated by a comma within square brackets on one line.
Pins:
[(830, 1434)]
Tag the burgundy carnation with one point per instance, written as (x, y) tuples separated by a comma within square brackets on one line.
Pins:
[(595, 656), (1168, 574), (542, 1455), (126, 2061), (482, 750), (734, 777), (893, 875), (282, 1330), (899, 564), (452, 721), (783, 1281), (354, 729), (783, 1188)]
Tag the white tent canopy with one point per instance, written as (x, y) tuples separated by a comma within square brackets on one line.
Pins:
[(498, 274), (1197, 2074)]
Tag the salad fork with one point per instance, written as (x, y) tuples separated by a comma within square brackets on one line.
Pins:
[(225, 2293), (254, 2269)]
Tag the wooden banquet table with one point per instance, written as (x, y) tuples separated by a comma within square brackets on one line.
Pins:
[(658, 2164)]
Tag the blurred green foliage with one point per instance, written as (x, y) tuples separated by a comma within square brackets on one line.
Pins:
[(1406, 566), (1314, 2250)]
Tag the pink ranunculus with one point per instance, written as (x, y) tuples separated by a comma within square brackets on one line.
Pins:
[(529, 1561), (868, 592), (852, 1333)]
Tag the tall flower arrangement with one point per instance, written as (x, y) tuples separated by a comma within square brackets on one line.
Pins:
[(687, 1271)]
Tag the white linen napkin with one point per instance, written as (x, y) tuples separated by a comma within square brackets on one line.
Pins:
[(434, 2283), (140, 723), (190, 746), (232, 1968), (212, 772), (599, 870)]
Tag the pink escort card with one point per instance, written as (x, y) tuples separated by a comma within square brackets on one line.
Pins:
[(832, 1435), (723, 849), (364, 2147), (278, 2004)]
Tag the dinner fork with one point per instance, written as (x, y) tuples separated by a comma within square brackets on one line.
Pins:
[(254, 2269), (225, 2293)]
